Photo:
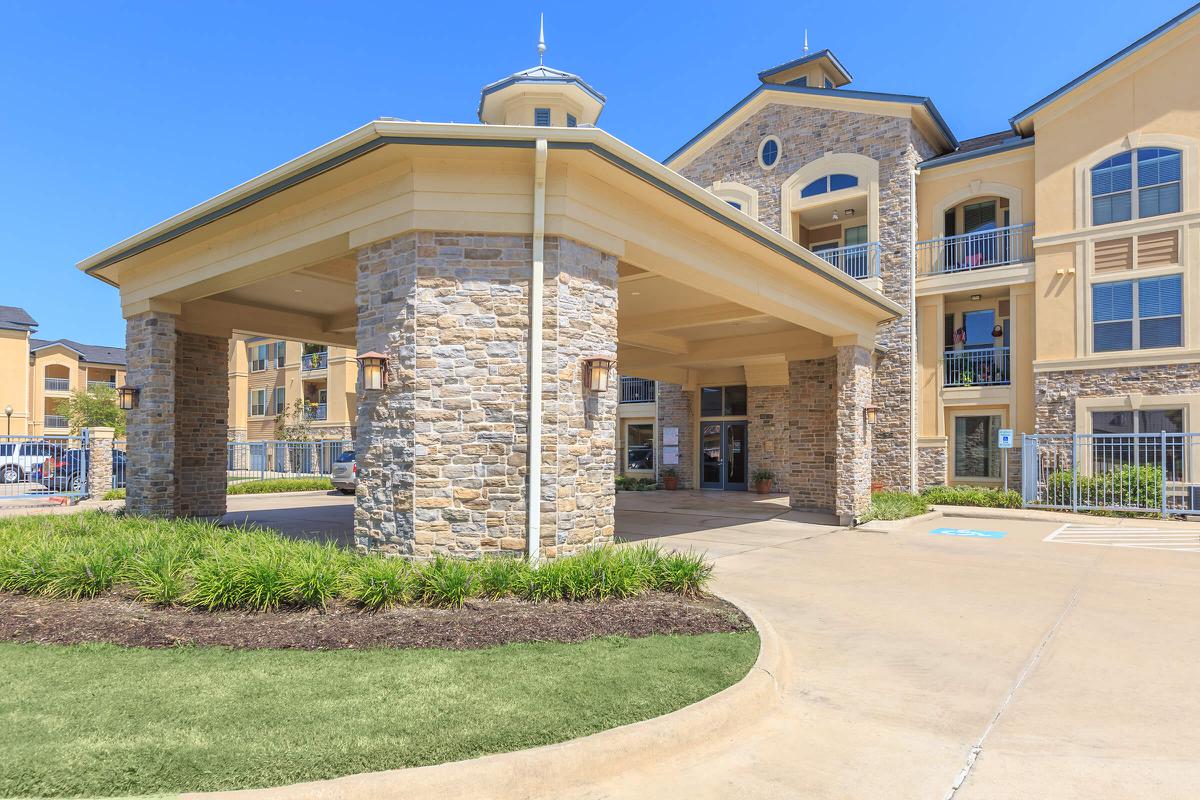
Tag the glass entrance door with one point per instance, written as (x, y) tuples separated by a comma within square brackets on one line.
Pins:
[(723, 456)]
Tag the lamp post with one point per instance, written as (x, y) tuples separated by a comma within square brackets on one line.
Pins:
[(8, 414)]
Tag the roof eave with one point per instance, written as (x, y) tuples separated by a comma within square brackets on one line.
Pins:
[(844, 74)]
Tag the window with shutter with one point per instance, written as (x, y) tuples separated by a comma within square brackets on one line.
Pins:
[(1113, 255), (976, 215), (541, 117), (1158, 249)]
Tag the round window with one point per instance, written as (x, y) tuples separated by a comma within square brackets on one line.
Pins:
[(768, 152)]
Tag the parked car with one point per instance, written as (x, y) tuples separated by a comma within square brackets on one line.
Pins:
[(19, 461), (345, 473), (67, 472)]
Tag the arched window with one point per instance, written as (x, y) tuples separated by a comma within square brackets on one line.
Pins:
[(1154, 171), (829, 183)]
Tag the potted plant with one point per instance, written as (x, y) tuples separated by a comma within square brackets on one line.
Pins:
[(670, 479), (762, 480)]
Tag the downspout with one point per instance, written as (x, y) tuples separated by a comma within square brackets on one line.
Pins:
[(533, 495)]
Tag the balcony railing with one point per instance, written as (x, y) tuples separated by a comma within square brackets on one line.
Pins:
[(108, 384), (856, 260), (977, 250), (55, 421), (637, 390), (312, 361), (58, 384), (983, 367), (316, 411)]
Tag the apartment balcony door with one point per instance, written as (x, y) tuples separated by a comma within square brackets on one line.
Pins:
[(723, 456)]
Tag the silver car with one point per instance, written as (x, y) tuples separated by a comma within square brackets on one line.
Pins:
[(345, 473)]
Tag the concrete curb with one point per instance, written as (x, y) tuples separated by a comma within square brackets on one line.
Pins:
[(977, 512), (551, 770), (889, 525)]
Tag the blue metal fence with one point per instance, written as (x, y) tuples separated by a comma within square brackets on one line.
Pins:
[(43, 466), (280, 459)]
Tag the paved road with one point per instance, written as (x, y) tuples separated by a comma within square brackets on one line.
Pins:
[(1072, 669), (324, 517)]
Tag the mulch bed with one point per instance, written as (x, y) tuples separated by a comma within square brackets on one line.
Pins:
[(119, 620)]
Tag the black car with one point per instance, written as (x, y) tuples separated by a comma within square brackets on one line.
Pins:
[(67, 472)]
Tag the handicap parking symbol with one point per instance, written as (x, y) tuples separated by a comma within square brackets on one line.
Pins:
[(968, 533)]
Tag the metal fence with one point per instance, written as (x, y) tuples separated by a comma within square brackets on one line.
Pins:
[(988, 366), (41, 466), (978, 250), (856, 260), (279, 459), (120, 463), (1140, 472), (637, 390)]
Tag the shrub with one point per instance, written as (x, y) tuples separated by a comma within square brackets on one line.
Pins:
[(1126, 486), (312, 575), (447, 582), (972, 496), (159, 575), (682, 573), (501, 576), (273, 485), (375, 582), (628, 484), (895, 505), (114, 494)]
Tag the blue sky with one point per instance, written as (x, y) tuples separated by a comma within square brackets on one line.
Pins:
[(115, 116)]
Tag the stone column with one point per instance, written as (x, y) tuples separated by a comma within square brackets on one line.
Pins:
[(201, 424), (150, 340), (811, 431), (443, 451), (100, 461), (676, 408), (853, 438), (177, 434)]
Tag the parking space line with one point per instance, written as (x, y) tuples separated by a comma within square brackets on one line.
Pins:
[(1146, 538)]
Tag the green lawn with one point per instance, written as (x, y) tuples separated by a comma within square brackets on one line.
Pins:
[(100, 720)]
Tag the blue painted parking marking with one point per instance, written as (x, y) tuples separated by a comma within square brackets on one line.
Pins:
[(968, 533)]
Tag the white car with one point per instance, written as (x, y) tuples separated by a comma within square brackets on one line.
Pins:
[(345, 473), (20, 460)]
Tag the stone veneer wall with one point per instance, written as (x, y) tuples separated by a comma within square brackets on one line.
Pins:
[(677, 408), (443, 452), (201, 424), (805, 135), (1055, 392), (177, 434), (854, 436), (767, 409), (150, 428), (811, 433), (931, 466)]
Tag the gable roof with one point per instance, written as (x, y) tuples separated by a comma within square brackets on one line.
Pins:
[(808, 59), (978, 147), (13, 318), (923, 102), (94, 353), (1020, 119)]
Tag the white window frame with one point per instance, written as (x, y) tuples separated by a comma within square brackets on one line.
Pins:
[(259, 364), (952, 466), (280, 354), (261, 396), (1137, 318), (280, 400), (778, 153), (640, 423)]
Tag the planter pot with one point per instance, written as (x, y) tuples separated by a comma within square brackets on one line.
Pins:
[(670, 482), (762, 487)]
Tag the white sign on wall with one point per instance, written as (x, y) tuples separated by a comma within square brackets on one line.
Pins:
[(1005, 436), (670, 438), (670, 456)]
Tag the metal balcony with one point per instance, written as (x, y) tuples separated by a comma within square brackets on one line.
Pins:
[(637, 390), (58, 384), (983, 367), (314, 361), (857, 260), (978, 250)]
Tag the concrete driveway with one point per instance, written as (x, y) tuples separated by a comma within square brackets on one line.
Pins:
[(915, 661), (320, 517), (1073, 669)]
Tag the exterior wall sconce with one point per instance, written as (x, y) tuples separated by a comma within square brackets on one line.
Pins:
[(372, 371), (128, 396), (595, 373), (870, 414)]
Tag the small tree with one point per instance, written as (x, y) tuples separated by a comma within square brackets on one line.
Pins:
[(95, 407), (293, 425)]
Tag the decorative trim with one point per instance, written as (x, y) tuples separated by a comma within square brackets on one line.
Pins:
[(778, 152)]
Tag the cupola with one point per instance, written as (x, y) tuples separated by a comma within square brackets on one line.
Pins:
[(819, 70), (540, 95)]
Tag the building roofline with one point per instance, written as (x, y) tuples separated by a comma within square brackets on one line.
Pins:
[(798, 62), (566, 78), (982, 152), (856, 94), (381, 133), (1017, 120)]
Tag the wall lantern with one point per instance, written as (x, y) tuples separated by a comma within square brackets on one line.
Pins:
[(870, 414), (127, 397), (595, 373), (372, 371)]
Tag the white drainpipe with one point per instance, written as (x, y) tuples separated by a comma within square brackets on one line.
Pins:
[(533, 498)]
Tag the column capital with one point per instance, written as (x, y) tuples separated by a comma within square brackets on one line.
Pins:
[(855, 340), (102, 433)]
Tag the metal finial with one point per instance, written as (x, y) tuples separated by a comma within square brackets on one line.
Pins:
[(541, 38), (806, 41)]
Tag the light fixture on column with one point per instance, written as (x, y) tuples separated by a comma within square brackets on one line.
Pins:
[(595, 373), (372, 371), (127, 397), (870, 414)]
